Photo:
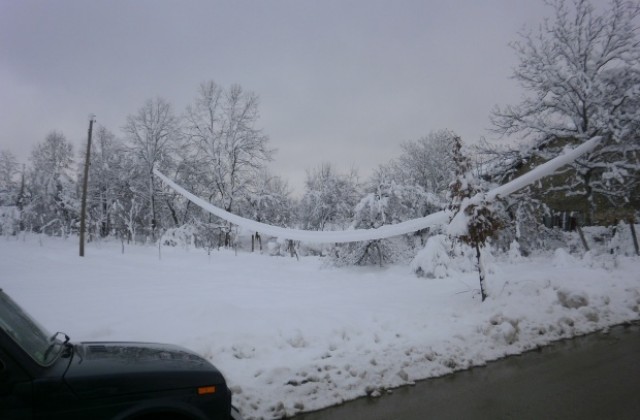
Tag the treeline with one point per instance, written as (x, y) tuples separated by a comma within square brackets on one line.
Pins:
[(216, 150), (581, 75), (213, 148)]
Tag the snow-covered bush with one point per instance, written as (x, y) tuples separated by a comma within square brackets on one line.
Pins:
[(183, 236), (514, 252), (9, 220), (386, 203), (378, 252), (278, 247), (434, 260), (441, 258)]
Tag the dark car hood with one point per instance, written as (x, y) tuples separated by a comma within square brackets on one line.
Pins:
[(101, 369)]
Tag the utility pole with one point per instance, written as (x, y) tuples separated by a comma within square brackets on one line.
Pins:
[(85, 183)]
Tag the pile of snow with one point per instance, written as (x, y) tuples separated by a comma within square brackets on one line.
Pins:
[(294, 336)]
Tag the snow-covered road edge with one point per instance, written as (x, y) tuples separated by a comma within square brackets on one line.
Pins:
[(500, 328)]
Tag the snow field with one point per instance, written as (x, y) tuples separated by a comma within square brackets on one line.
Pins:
[(294, 336)]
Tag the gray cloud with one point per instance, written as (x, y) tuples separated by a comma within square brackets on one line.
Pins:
[(340, 81)]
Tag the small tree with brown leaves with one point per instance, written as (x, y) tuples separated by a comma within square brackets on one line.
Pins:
[(481, 220)]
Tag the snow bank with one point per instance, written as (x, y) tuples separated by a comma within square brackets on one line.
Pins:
[(296, 336)]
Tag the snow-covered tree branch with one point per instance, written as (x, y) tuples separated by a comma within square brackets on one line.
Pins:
[(582, 72)]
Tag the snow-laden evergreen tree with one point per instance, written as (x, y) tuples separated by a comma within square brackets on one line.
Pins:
[(52, 204), (582, 70), (329, 199)]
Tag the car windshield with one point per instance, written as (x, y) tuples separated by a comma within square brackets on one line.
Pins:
[(41, 346)]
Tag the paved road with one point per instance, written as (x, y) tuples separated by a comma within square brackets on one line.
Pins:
[(592, 377)]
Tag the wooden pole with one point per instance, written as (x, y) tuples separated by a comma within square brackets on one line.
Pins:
[(85, 183)]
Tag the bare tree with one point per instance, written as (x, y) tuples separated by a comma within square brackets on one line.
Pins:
[(426, 162), (9, 170), (153, 135), (270, 201), (221, 127), (329, 198), (108, 174), (10, 194), (582, 70), (228, 149)]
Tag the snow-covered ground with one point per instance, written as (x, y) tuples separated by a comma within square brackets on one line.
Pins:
[(295, 336)]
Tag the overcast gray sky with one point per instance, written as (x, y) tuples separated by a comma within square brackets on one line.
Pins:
[(344, 82)]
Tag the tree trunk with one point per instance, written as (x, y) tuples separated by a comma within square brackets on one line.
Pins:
[(152, 203), (582, 238), (633, 234), (172, 212), (21, 198), (292, 250), (256, 238), (590, 204), (481, 272), (85, 186), (379, 253)]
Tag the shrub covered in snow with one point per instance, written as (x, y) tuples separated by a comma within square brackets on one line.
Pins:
[(434, 260), (386, 203), (9, 220), (183, 236)]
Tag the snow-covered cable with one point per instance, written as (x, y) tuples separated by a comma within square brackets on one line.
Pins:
[(386, 231), (543, 170), (339, 236), (459, 224)]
